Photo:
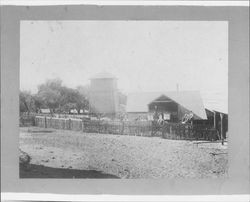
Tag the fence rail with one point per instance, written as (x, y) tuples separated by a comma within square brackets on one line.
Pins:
[(140, 128), (189, 132), (26, 120)]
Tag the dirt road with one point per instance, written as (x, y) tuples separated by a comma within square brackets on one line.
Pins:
[(69, 154)]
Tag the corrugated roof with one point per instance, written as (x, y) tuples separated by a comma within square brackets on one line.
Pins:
[(103, 75), (191, 100)]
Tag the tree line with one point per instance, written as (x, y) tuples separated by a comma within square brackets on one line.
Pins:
[(56, 97), (53, 95)]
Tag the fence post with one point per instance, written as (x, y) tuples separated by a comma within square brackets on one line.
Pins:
[(162, 132), (221, 133), (45, 122), (82, 126), (151, 128), (183, 132), (122, 127), (69, 124)]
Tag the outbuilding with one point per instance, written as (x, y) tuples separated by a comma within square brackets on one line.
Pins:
[(44, 111), (173, 105)]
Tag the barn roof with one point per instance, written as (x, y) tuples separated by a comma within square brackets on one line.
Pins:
[(103, 75), (191, 100)]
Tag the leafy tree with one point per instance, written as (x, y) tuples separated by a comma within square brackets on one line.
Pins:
[(49, 93), (72, 96), (53, 95), (53, 84), (39, 102), (84, 91), (51, 98), (82, 103), (26, 102), (68, 106)]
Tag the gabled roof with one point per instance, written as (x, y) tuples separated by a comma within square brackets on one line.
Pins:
[(103, 75), (191, 100)]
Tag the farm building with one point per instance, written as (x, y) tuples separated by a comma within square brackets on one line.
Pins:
[(173, 104), (103, 94), (44, 111), (219, 120)]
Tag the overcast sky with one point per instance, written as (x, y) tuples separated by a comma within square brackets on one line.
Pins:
[(143, 55)]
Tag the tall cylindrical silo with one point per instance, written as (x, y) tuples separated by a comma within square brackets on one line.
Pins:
[(103, 94)]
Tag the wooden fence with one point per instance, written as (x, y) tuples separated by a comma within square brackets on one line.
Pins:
[(140, 128), (118, 127), (189, 132), (96, 126), (26, 120), (59, 123)]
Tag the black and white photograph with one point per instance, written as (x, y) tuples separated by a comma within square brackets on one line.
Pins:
[(123, 99)]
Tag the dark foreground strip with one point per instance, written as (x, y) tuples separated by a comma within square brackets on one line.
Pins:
[(40, 171)]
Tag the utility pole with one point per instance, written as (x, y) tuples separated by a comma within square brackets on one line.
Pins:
[(222, 129)]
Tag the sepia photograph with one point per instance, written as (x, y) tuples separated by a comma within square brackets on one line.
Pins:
[(123, 99)]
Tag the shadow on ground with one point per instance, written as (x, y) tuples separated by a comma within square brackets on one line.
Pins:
[(40, 171)]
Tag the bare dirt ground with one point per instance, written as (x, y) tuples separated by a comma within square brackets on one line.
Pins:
[(69, 154)]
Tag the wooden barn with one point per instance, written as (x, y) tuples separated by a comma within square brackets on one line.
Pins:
[(174, 105)]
